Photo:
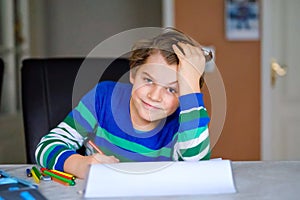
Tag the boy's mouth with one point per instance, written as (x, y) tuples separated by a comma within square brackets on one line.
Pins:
[(149, 106)]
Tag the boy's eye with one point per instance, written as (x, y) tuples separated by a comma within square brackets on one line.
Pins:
[(172, 90), (148, 80)]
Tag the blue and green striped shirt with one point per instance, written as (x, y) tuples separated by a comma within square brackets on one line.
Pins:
[(103, 115)]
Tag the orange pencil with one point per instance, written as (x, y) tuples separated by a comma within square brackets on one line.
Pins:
[(59, 181), (95, 147)]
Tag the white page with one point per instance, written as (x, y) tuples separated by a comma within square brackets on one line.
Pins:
[(159, 179)]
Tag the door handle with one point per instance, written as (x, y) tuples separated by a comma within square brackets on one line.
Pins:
[(277, 70)]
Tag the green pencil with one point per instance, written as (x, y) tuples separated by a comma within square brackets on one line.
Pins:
[(70, 182), (37, 172)]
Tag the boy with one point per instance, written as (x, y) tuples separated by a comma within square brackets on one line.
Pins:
[(160, 117)]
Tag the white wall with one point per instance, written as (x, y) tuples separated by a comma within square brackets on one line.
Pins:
[(74, 27)]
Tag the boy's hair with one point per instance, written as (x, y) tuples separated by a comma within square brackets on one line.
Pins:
[(162, 44)]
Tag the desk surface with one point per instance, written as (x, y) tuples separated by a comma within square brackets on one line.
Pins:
[(253, 180)]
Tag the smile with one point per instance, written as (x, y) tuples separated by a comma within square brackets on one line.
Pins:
[(149, 106)]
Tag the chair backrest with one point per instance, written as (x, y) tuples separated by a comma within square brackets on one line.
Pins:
[(47, 91), (1, 77)]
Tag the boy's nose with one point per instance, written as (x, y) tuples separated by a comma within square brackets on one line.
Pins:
[(155, 93)]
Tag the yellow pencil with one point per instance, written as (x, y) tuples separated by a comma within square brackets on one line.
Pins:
[(34, 176)]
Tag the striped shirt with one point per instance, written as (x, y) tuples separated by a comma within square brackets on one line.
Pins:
[(103, 116)]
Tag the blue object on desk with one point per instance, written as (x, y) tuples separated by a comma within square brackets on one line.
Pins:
[(13, 188), (4, 174), (46, 178), (16, 188), (26, 195), (12, 179), (23, 193), (28, 173), (27, 183), (7, 181)]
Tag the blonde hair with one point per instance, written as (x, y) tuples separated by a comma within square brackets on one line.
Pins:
[(162, 43)]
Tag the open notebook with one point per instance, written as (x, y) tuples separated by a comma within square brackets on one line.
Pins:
[(159, 179)]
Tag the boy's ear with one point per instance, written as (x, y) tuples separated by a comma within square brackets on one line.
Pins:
[(132, 73)]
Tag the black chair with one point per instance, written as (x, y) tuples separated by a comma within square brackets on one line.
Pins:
[(1, 77), (47, 90)]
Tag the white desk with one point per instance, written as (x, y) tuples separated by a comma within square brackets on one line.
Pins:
[(253, 180)]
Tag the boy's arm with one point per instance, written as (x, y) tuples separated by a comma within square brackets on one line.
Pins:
[(63, 141), (193, 136), (192, 139), (57, 149)]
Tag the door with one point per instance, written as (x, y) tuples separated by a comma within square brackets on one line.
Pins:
[(239, 63), (281, 101)]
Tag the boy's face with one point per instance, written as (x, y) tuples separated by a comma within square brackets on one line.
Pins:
[(154, 92)]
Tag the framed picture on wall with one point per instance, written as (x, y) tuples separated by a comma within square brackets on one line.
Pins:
[(242, 19)]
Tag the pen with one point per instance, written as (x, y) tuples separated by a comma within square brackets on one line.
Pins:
[(95, 147), (207, 54), (70, 182)]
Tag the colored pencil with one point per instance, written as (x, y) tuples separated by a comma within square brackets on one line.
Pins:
[(64, 174), (95, 147), (60, 182), (34, 176), (49, 173), (59, 173), (37, 172)]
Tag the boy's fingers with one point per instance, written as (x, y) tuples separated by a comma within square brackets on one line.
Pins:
[(105, 159), (199, 51), (177, 51), (114, 159), (186, 48)]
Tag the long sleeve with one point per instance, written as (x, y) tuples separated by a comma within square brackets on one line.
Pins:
[(63, 141), (193, 142), (182, 138)]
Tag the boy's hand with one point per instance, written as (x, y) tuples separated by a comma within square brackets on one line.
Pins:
[(100, 158), (190, 68), (78, 165)]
